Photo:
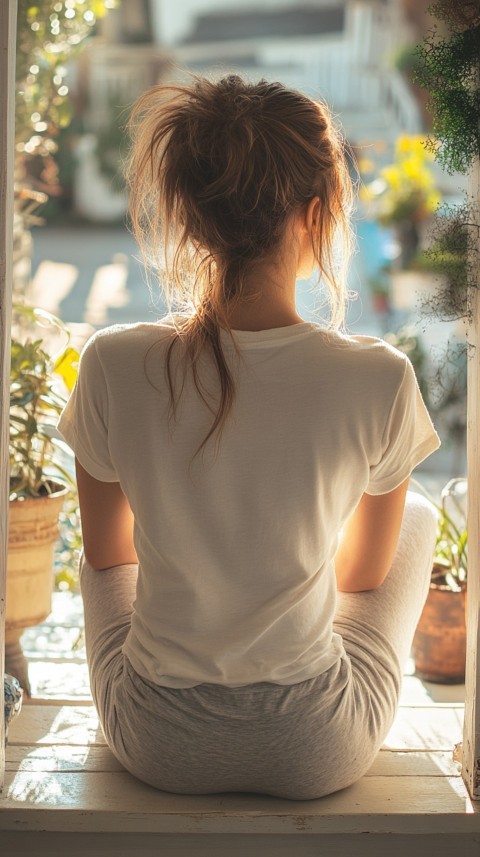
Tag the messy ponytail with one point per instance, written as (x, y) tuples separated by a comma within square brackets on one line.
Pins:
[(216, 169)]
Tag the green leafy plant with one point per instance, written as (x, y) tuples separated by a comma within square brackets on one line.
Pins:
[(450, 560), (450, 557), (69, 545), (35, 404), (408, 61), (447, 66), (50, 32), (451, 254)]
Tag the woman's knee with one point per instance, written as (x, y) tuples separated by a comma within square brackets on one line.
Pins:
[(422, 512)]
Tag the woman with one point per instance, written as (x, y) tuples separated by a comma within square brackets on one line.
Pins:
[(234, 641)]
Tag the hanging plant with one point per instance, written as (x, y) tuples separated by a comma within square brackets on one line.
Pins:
[(449, 68), (452, 255)]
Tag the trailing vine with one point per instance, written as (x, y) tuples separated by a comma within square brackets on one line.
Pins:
[(450, 255), (448, 66)]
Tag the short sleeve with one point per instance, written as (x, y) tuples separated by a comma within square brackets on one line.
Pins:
[(408, 439), (84, 421)]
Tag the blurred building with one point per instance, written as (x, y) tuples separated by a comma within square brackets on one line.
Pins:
[(340, 50)]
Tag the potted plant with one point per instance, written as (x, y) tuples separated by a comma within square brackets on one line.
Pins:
[(403, 194), (439, 645), (39, 482), (402, 197), (380, 292)]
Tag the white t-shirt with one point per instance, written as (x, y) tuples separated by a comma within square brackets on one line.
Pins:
[(236, 578)]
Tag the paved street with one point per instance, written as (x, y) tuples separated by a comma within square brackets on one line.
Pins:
[(92, 273)]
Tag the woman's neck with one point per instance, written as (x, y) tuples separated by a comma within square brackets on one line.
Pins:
[(268, 300), (262, 318)]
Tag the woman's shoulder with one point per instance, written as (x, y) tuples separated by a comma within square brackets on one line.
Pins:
[(119, 339), (366, 349), (365, 365)]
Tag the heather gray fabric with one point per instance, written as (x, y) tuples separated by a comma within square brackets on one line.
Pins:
[(298, 741)]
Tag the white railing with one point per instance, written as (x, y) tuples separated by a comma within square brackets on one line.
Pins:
[(118, 74)]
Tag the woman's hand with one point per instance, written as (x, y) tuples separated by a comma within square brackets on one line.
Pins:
[(107, 522), (369, 541)]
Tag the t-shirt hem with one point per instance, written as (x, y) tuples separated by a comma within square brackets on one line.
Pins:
[(337, 652), (66, 429), (384, 486)]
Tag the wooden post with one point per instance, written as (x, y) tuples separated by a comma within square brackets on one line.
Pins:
[(471, 735), (8, 30)]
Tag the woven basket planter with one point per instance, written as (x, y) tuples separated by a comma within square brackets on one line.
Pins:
[(33, 531)]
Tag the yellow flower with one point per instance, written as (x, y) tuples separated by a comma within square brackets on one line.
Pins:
[(393, 176), (405, 188), (433, 200), (416, 173), (67, 367), (410, 144)]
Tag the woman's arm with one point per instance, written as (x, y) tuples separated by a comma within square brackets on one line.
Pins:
[(369, 541), (107, 522)]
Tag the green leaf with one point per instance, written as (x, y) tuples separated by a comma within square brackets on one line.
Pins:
[(22, 399), (31, 426)]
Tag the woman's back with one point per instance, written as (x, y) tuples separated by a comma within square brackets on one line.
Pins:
[(235, 545)]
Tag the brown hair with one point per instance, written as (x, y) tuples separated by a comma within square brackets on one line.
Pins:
[(215, 172)]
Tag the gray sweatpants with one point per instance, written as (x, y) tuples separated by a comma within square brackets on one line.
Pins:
[(298, 741)]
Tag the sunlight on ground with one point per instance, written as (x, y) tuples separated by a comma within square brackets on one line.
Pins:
[(59, 757), (52, 282)]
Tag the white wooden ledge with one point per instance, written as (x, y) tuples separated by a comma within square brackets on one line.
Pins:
[(64, 789)]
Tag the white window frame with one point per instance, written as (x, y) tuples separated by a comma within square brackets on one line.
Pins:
[(471, 744), (8, 30), (471, 729)]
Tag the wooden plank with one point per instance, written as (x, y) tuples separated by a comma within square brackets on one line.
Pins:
[(413, 763), (48, 700), (70, 725), (471, 738), (117, 802), (220, 845), (8, 25), (50, 758), (417, 692), (97, 759), (437, 727)]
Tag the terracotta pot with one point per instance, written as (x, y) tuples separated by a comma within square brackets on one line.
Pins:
[(380, 302), (439, 644)]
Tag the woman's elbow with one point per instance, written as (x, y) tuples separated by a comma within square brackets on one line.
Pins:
[(100, 559), (95, 560), (359, 579)]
